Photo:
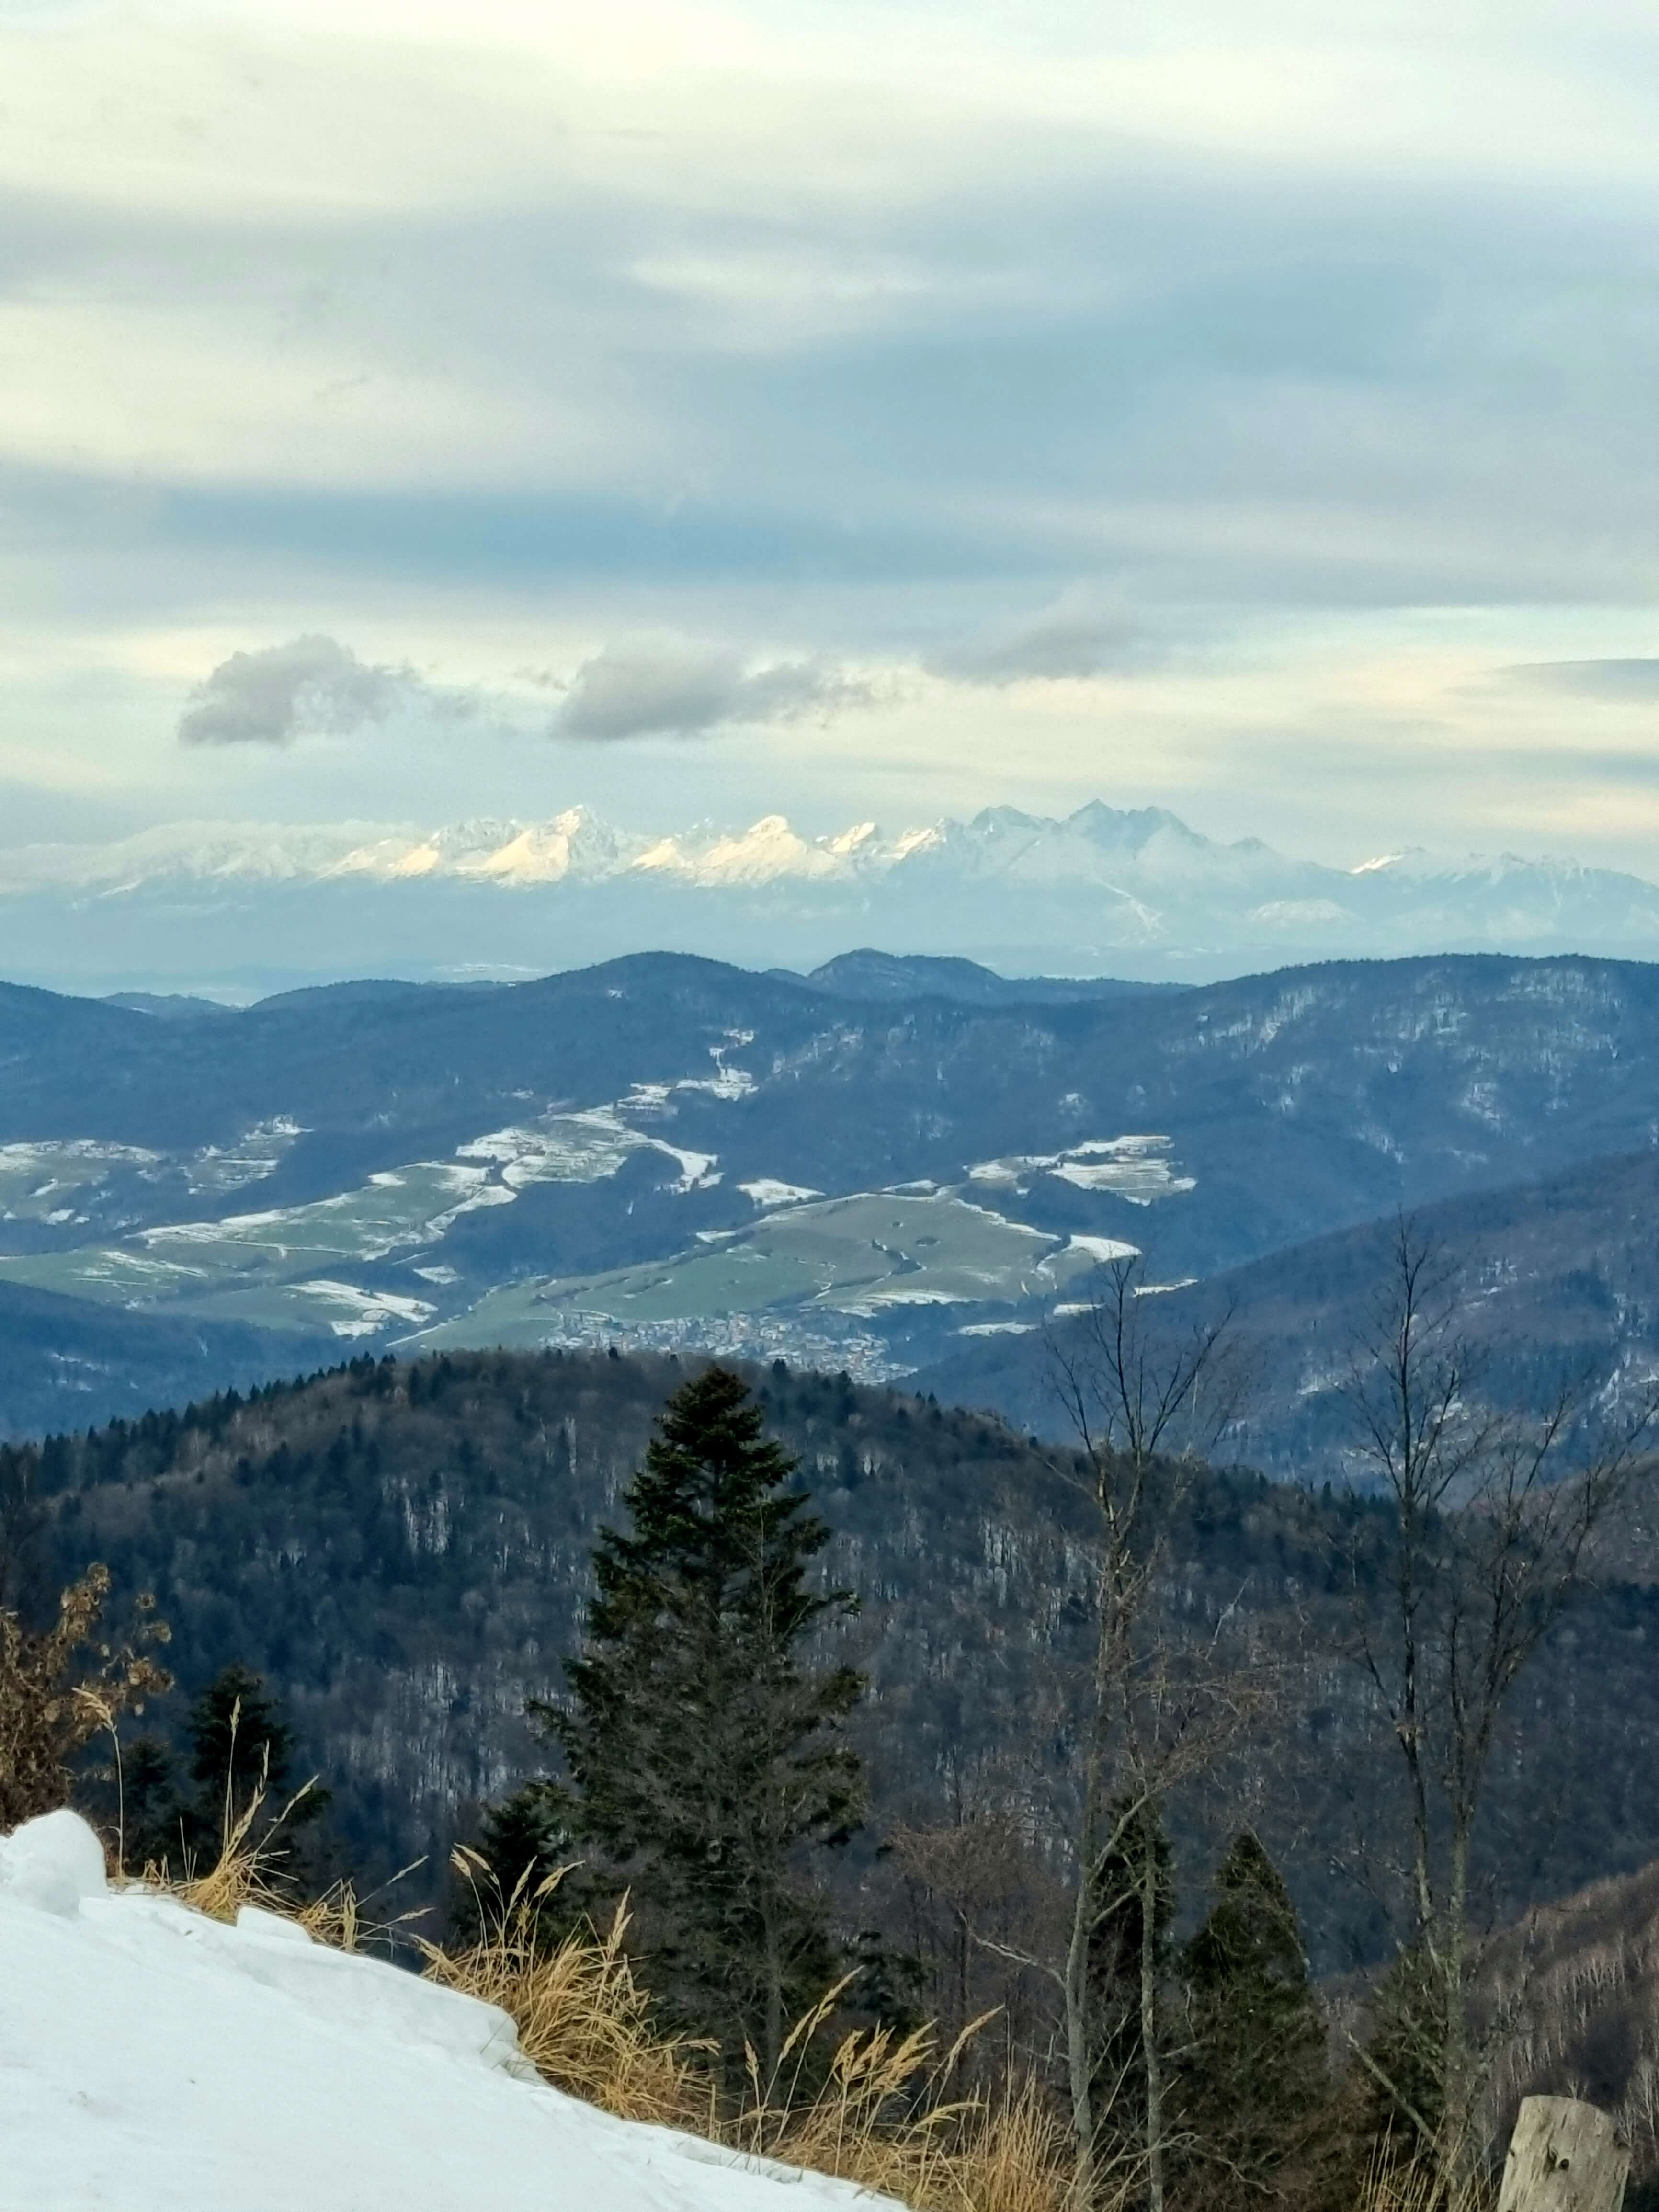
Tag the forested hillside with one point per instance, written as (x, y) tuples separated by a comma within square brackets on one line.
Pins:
[(403, 1552)]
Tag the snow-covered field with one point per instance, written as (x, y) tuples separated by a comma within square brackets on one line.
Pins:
[(152, 2059)]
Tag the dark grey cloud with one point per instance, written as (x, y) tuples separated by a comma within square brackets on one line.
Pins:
[(1636, 679), (311, 686), (656, 688)]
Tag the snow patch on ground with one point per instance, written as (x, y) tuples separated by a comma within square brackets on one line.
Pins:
[(366, 1313), (1136, 1168), (585, 1147), (732, 1083), (1103, 1248), (698, 1171), (258, 1152), (151, 2058), (766, 1190)]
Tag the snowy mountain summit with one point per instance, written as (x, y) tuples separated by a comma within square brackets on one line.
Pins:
[(150, 2058), (1135, 892)]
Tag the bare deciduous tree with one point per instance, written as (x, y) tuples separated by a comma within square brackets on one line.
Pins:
[(1143, 1395), (1492, 1515)]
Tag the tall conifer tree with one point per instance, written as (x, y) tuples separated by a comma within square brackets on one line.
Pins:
[(705, 1751), (1255, 2073)]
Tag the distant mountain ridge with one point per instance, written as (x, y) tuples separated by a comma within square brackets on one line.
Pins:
[(1135, 893)]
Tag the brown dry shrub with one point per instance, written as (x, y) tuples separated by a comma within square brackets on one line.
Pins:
[(884, 2116), (58, 1688)]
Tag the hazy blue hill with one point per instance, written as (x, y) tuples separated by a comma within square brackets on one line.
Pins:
[(877, 978), (66, 1364), (167, 1006)]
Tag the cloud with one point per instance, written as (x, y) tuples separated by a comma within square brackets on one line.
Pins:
[(654, 688), (1070, 642), (312, 685), (1637, 678)]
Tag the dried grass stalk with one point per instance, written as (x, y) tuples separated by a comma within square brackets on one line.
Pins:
[(584, 2022), (880, 2115)]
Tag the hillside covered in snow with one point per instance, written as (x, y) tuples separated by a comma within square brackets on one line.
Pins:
[(151, 2058)]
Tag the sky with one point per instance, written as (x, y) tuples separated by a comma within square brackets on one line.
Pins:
[(419, 411)]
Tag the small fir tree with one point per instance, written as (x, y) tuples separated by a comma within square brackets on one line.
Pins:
[(522, 1842), (705, 1752), (236, 1742), (148, 1805), (1255, 2078), (233, 1726)]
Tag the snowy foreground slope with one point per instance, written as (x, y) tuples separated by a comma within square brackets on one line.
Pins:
[(151, 2059)]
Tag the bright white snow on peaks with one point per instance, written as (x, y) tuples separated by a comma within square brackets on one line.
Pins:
[(151, 2058), (1129, 855)]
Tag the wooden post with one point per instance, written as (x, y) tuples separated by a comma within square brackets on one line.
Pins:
[(1563, 2157)]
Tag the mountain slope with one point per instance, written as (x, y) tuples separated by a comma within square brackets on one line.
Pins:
[(65, 1362), (1561, 1277)]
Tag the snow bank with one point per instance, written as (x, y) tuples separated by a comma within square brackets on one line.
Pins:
[(151, 2059)]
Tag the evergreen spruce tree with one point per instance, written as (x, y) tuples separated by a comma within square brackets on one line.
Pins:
[(1255, 2077), (705, 1752), (232, 1727), (149, 1806)]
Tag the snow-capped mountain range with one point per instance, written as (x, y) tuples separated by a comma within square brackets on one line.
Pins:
[(1134, 892)]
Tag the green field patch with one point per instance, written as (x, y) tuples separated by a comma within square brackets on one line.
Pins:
[(852, 1256), (110, 1275), (45, 1181), (191, 1262)]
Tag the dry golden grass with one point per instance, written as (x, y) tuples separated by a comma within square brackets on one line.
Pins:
[(584, 2022), (884, 2117), (880, 2115), (248, 1870)]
